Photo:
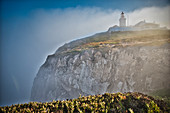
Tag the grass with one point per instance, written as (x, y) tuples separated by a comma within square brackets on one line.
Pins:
[(121, 39), (106, 103)]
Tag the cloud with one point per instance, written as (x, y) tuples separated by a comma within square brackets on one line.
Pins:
[(159, 15), (26, 42)]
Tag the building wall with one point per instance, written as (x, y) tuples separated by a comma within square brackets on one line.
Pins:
[(122, 22)]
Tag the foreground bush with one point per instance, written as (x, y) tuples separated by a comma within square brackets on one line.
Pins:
[(111, 103)]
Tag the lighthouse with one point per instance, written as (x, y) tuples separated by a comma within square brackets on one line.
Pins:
[(122, 20), (142, 25)]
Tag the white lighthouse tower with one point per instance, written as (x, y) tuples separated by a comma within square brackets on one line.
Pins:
[(122, 20)]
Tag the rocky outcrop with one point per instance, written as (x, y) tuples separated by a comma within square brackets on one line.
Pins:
[(105, 69)]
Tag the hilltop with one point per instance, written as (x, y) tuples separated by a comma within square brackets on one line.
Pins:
[(118, 39)]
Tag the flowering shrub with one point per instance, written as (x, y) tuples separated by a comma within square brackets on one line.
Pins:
[(118, 102)]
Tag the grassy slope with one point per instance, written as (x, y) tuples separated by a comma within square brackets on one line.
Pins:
[(125, 103), (120, 39)]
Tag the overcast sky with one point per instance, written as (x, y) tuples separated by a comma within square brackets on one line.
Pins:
[(30, 30)]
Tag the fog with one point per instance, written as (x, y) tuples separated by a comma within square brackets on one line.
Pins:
[(27, 41)]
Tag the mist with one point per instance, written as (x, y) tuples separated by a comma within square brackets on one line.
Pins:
[(27, 41)]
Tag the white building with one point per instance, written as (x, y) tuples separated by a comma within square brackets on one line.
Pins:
[(122, 20), (142, 25)]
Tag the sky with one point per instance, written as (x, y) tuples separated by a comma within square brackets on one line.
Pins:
[(30, 30)]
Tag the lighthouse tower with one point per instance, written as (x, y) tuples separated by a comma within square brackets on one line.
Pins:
[(122, 20)]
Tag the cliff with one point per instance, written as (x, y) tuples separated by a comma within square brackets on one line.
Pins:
[(106, 62)]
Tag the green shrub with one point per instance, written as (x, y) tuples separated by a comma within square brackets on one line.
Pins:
[(119, 102)]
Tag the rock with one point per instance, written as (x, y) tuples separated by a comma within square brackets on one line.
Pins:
[(96, 71)]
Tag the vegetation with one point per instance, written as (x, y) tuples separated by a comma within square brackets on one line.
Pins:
[(162, 94), (120, 39), (118, 102)]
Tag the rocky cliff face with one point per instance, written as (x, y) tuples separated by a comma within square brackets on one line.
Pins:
[(107, 68)]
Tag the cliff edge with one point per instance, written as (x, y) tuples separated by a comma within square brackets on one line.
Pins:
[(124, 61)]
